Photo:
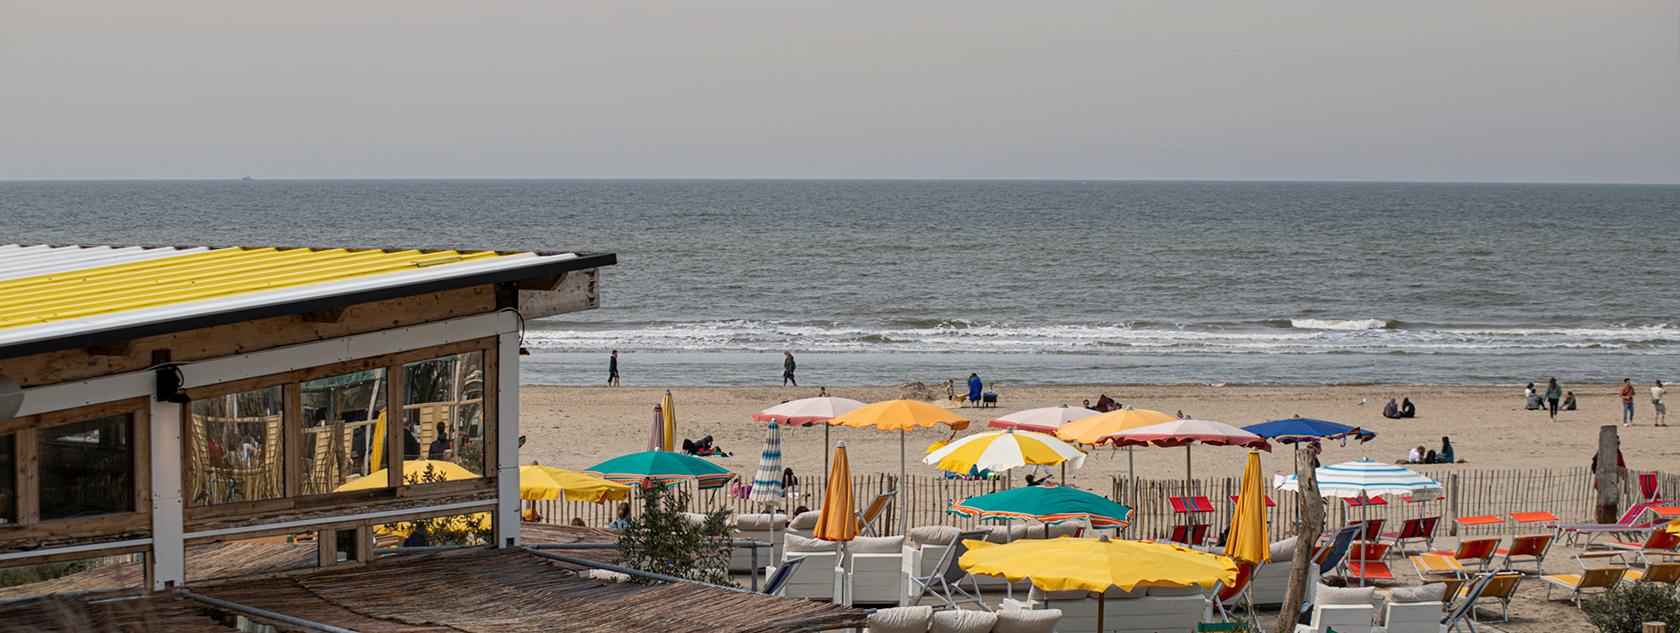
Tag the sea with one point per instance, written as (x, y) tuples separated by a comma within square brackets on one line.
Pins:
[(1023, 282)]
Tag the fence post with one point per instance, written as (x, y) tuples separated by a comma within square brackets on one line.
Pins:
[(1609, 485)]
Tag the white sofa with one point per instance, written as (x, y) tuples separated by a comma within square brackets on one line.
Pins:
[(766, 528), (875, 570), (1348, 610), (804, 523), (1272, 579), (1142, 610), (922, 551), (1414, 609), (819, 577), (926, 620)]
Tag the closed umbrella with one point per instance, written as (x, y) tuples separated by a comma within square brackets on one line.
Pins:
[(838, 519), (767, 480), (1247, 540), (656, 436), (668, 416), (809, 411), (901, 416), (663, 468), (1082, 564)]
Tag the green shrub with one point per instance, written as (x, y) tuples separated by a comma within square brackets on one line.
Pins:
[(662, 541), (1626, 608)]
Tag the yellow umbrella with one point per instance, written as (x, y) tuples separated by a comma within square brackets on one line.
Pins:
[(669, 408), (413, 470), (547, 483), (901, 416), (1003, 450), (1092, 429), (1070, 564), (838, 520), (1247, 541)]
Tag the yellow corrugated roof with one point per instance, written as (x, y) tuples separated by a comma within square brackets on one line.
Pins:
[(201, 276)]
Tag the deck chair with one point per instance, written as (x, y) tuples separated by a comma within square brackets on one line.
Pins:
[(1474, 551), (1329, 558), (1601, 578), (1365, 562), (1462, 614), (1373, 528), (1434, 567), (870, 515), (778, 580), (1648, 487), (1665, 573), (1501, 586), (1532, 548), (1629, 523), (1418, 529), (1192, 534), (1226, 599), (1658, 543), (947, 578)]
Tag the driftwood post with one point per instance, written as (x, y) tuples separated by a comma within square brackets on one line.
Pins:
[(1655, 627), (1609, 483), (1307, 530)]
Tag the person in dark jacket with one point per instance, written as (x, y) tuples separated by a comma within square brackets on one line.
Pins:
[(787, 369), (1392, 410), (1407, 409), (974, 388)]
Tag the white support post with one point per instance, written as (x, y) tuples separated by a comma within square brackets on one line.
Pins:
[(507, 440), (168, 559)]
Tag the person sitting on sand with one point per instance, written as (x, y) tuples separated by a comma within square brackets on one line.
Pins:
[(1105, 403), (1407, 409), (1088, 406), (1446, 454), (790, 481), (1391, 410), (623, 521), (1182, 415), (1531, 398), (1568, 401), (578, 522), (1416, 456)]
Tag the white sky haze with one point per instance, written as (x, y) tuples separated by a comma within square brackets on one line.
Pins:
[(1459, 90)]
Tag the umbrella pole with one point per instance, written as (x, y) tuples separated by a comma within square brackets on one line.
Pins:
[(1364, 530), (903, 516), (825, 455), (1100, 600), (1131, 467)]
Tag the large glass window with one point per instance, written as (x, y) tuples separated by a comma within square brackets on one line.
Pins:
[(8, 479), (343, 430), (443, 412), (235, 447), (86, 468)]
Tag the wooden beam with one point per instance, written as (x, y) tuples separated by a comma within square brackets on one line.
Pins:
[(573, 292), (331, 315), (120, 348), (550, 283)]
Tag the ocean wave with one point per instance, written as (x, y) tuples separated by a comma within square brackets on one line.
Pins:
[(939, 336), (1343, 324)]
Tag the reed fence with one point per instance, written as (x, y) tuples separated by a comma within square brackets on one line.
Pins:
[(1565, 492)]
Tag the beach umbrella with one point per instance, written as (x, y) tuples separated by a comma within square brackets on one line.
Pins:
[(1364, 480), (413, 470), (1003, 450), (1299, 429), (1046, 504), (1247, 540), (767, 480), (901, 416), (668, 411), (809, 411), (1185, 433), (838, 519), (663, 468), (656, 436), (1083, 564), (1043, 420), (1090, 429), (547, 483)]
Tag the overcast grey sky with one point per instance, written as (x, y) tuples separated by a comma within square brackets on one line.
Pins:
[(1506, 90)]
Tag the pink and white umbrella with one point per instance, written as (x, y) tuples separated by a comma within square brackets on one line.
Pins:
[(1045, 420), (1187, 432), (808, 411)]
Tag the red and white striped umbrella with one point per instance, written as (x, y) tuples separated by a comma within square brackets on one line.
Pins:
[(1187, 432), (807, 411), (1045, 420)]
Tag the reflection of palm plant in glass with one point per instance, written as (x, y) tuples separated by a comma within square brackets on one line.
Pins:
[(469, 529)]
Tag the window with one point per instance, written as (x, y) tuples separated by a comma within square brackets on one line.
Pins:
[(343, 430), (8, 479), (234, 445), (443, 412), (86, 468)]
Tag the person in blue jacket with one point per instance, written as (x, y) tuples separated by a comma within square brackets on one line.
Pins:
[(974, 387)]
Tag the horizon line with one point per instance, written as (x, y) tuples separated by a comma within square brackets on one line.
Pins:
[(839, 179)]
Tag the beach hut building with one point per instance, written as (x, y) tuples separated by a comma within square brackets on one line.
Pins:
[(158, 398)]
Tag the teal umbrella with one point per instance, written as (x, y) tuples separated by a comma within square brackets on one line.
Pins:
[(663, 468), (1048, 504)]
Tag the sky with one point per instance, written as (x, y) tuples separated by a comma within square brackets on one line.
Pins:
[(1435, 90)]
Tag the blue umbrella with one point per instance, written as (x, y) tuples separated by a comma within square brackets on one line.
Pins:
[(1298, 429)]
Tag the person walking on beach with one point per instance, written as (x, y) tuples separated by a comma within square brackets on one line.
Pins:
[(787, 369), (1657, 392), (1554, 395), (612, 370), (1627, 401)]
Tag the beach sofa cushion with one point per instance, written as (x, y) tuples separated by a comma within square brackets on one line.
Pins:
[(1432, 592), (1007, 533), (796, 544), (1327, 594), (805, 520), (1176, 591), (1064, 529), (1283, 551), (761, 522), (1113, 593), (963, 621), (901, 620), (876, 545), (1027, 621), (933, 535)]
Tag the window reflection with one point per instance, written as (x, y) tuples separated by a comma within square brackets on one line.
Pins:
[(343, 430), (86, 468), (443, 412), (235, 447)]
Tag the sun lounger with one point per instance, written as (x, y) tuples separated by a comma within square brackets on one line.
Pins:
[(1479, 521), (1501, 586), (1656, 543), (946, 581), (1373, 529), (1192, 534), (1418, 529), (1474, 551), (1226, 599), (1329, 558), (1463, 614), (779, 578), (1437, 566), (1664, 573), (1365, 563), (1629, 523), (1531, 549), (1601, 578), (870, 515)]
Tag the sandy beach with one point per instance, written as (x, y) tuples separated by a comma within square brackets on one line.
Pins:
[(580, 426)]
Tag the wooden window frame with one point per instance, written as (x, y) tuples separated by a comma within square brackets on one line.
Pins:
[(25, 431), (292, 433)]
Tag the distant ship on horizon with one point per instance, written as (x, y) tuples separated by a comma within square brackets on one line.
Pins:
[(247, 178)]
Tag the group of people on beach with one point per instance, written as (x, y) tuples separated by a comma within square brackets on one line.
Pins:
[(1401, 410), (1421, 455), (1555, 399)]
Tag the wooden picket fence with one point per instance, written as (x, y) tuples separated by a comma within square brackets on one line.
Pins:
[(1565, 492)]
